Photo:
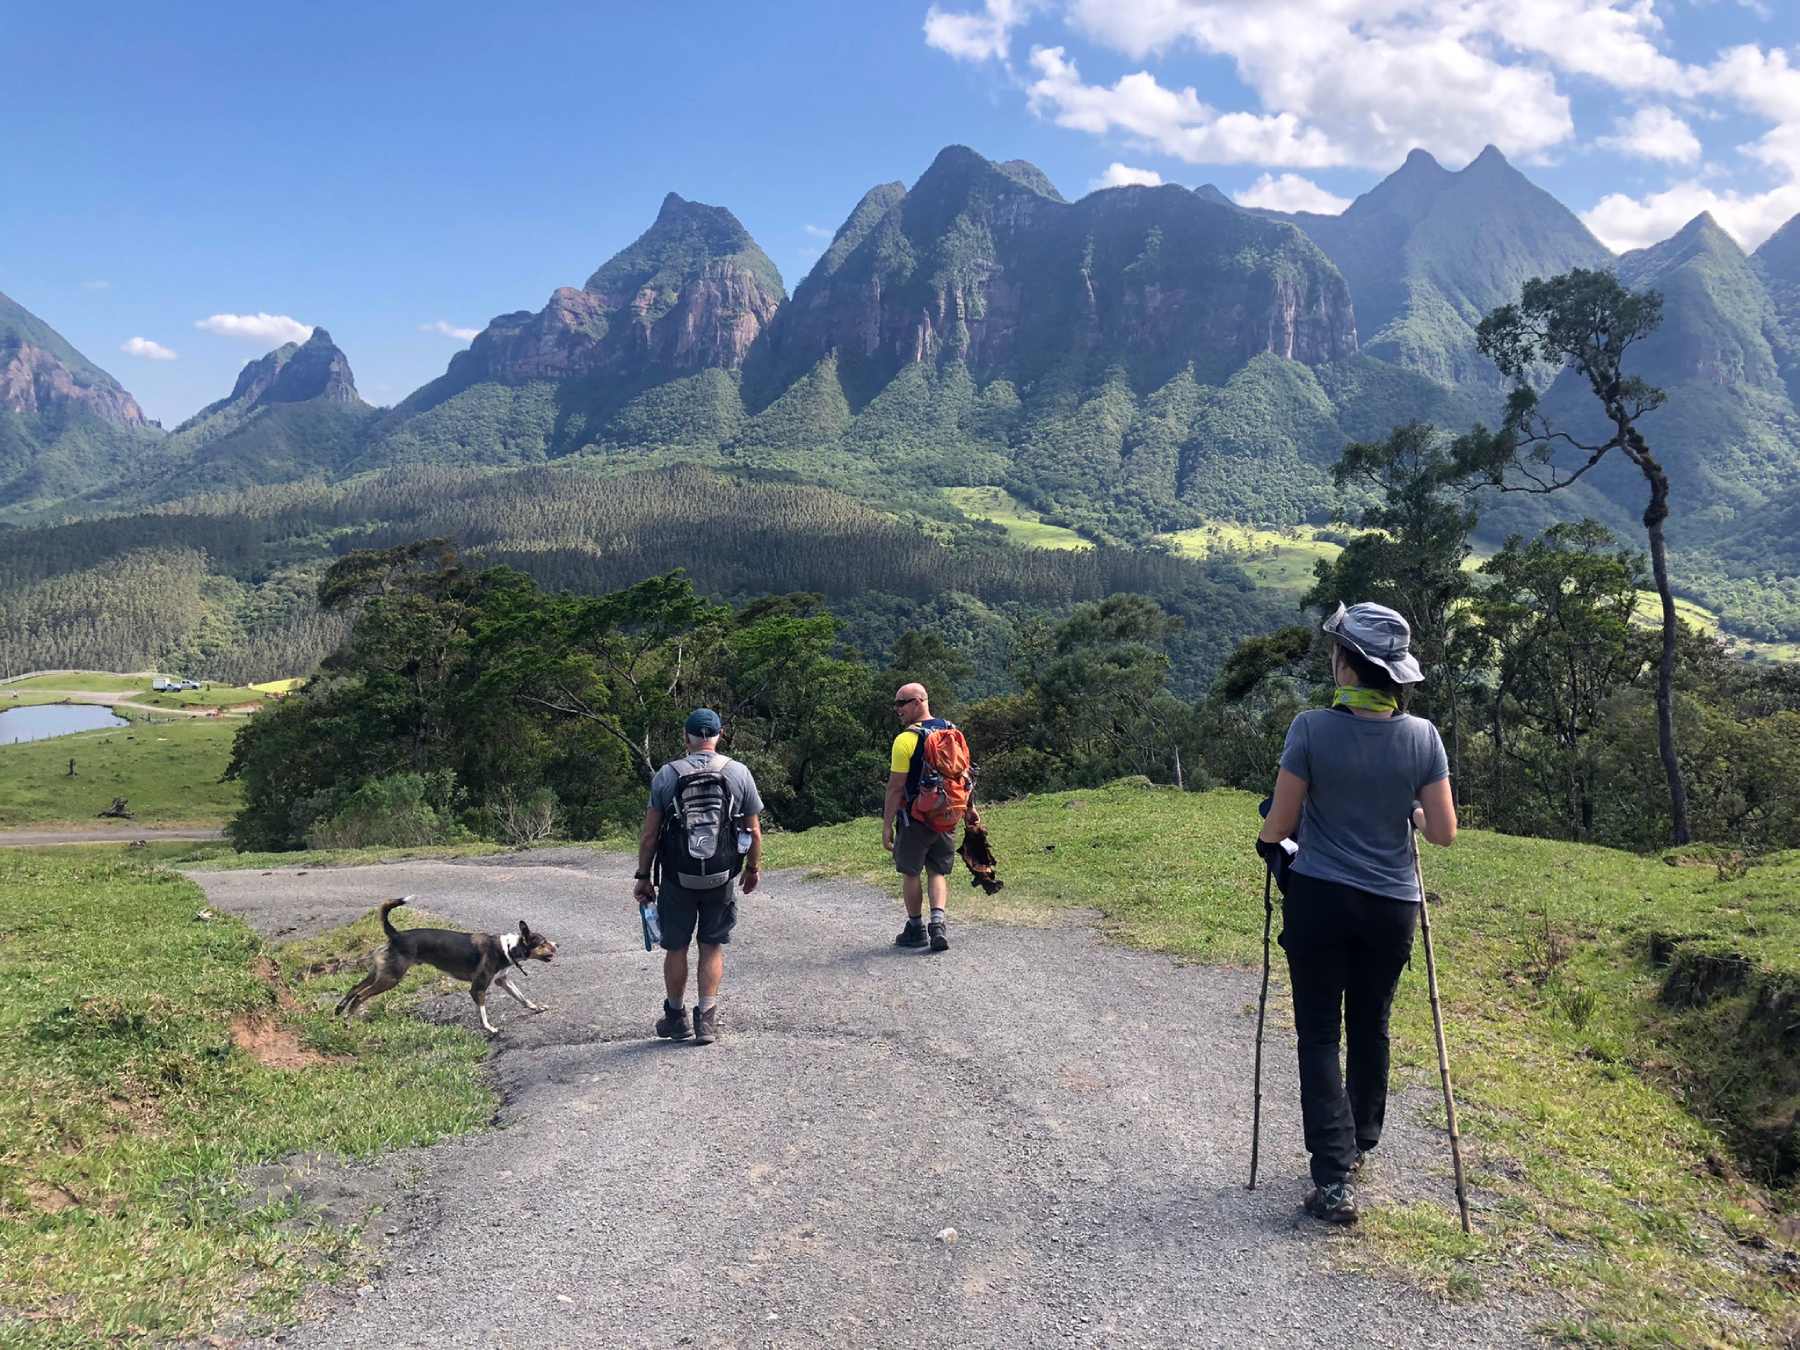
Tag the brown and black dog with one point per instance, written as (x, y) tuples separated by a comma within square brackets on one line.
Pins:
[(480, 958)]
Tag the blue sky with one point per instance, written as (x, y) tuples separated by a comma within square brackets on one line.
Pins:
[(383, 169)]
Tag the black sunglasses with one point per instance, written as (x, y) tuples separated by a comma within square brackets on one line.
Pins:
[(904, 702)]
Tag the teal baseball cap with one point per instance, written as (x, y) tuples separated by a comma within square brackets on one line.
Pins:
[(704, 722)]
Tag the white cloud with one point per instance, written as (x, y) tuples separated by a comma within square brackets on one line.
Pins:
[(1291, 192), (1175, 122), (1622, 222), (144, 347), (96, 285), (817, 231), (1123, 175), (1379, 100), (975, 37), (449, 330), (277, 328), (1654, 133)]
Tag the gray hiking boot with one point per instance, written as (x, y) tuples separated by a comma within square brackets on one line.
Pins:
[(913, 935), (706, 1025), (1333, 1204), (673, 1024), (938, 932)]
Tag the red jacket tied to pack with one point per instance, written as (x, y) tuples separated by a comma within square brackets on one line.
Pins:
[(944, 785)]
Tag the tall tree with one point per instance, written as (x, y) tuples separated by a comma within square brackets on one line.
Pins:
[(1585, 321), (1558, 610), (1412, 558)]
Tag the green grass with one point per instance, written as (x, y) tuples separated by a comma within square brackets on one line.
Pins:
[(1280, 559), (167, 771), (1596, 1179), (1023, 525), (130, 1110), (88, 681), (214, 696)]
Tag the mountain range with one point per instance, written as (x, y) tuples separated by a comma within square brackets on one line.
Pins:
[(1139, 360)]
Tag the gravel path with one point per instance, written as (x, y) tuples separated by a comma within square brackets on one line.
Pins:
[(1076, 1111), (96, 834)]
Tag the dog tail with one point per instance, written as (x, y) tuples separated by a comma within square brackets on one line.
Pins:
[(387, 905)]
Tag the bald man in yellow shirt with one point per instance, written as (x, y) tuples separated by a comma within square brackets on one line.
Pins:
[(917, 848)]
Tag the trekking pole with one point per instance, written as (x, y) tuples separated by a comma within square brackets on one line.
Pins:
[(1262, 1003), (1437, 1022)]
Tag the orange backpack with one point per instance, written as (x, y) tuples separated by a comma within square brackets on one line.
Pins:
[(944, 778)]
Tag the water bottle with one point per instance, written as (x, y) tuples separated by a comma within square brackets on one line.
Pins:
[(743, 843), (652, 924)]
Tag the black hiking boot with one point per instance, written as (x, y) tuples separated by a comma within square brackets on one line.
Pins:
[(939, 934), (673, 1024), (1333, 1204), (913, 935), (706, 1025)]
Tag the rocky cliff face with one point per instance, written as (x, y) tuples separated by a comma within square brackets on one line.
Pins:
[(694, 292), (34, 382), (41, 375), (978, 262)]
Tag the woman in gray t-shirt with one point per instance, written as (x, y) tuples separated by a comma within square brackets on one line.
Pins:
[(1356, 780)]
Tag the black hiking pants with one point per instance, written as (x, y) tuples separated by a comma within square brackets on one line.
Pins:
[(1345, 951)]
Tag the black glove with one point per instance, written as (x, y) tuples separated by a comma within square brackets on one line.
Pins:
[(1278, 861)]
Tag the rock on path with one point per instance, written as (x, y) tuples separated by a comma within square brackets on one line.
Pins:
[(1076, 1111)]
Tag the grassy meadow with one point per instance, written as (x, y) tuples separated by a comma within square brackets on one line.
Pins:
[(150, 1062), (168, 772), (1280, 559), (1022, 524), (1590, 1109)]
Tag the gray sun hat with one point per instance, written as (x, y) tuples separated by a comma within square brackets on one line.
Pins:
[(1377, 634)]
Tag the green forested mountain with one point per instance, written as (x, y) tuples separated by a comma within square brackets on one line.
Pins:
[(1141, 360), (681, 306), (292, 414), (65, 424)]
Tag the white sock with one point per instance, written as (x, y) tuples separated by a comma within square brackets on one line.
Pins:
[(937, 913), (708, 1002)]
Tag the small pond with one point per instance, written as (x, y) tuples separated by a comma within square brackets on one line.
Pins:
[(54, 719)]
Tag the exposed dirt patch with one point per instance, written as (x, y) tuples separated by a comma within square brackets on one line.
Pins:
[(270, 974), (48, 1198), (274, 1046)]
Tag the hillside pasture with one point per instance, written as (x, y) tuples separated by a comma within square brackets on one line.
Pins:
[(167, 771)]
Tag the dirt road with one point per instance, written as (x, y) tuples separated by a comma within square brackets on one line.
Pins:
[(1075, 1111)]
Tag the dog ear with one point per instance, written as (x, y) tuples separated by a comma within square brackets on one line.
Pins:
[(524, 929)]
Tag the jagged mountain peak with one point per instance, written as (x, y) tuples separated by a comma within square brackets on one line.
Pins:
[(958, 169), (1209, 192), (1780, 252), (1701, 238), (684, 239), (295, 372)]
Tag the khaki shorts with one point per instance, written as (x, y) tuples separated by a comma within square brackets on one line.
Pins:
[(919, 848)]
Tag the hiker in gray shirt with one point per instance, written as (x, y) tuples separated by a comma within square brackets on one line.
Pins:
[(703, 829), (1356, 780)]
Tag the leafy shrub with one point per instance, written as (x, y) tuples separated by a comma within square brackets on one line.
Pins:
[(399, 811)]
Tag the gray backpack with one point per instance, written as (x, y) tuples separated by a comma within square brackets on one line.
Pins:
[(699, 831)]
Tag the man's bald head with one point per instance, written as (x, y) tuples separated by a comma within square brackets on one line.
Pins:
[(912, 703)]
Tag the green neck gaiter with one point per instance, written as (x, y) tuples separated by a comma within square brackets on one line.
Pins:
[(1367, 700)]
